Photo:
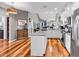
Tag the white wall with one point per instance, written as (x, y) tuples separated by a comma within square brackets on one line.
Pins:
[(4, 16), (68, 42), (12, 27), (5, 27), (34, 19)]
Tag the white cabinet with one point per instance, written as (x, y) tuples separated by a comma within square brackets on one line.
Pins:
[(68, 42), (38, 45)]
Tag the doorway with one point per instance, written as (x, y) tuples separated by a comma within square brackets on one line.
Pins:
[(7, 28)]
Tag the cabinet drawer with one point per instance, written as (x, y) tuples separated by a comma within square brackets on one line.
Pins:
[(22, 33)]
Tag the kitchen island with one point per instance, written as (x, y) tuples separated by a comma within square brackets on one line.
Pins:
[(39, 41)]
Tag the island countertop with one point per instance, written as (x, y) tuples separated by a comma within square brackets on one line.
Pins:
[(48, 34)]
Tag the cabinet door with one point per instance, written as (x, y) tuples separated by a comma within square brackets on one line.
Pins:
[(21, 34)]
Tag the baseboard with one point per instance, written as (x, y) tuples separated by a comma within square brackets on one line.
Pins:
[(11, 40)]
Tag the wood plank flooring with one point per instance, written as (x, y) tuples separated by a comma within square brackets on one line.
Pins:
[(19, 48), (22, 48), (55, 48)]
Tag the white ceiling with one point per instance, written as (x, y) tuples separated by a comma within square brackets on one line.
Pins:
[(44, 9), (37, 6)]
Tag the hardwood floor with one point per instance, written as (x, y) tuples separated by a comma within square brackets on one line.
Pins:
[(15, 49), (55, 49), (22, 48)]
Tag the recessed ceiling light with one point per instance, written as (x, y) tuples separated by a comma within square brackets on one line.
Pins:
[(55, 8), (67, 8)]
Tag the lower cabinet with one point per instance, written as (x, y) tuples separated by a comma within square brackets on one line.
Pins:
[(22, 34)]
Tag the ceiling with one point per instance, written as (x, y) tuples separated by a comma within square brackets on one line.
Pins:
[(37, 7), (44, 9)]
